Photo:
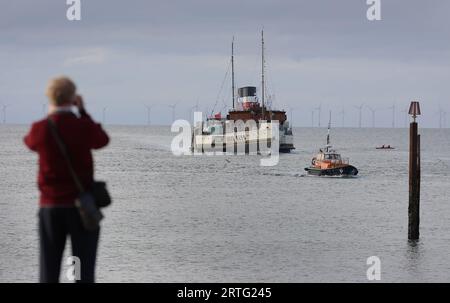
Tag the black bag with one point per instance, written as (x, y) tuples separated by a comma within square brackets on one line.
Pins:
[(101, 194), (88, 201)]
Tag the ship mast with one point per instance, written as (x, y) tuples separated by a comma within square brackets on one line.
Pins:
[(232, 72), (262, 74), (328, 135)]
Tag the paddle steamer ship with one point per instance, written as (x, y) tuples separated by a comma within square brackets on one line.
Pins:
[(235, 130)]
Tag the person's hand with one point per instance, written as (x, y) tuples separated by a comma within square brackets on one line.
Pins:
[(78, 102)]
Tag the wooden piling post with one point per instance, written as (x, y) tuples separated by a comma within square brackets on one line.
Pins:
[(414, 175)]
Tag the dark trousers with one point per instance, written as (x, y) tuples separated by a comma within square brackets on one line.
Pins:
[(55, 224)]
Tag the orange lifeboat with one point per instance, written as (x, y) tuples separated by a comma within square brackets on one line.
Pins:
[(329, 163)]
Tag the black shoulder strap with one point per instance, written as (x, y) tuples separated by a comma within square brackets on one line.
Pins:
[(63, 150)]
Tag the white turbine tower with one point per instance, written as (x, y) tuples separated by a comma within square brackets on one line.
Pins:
[(442, 117), (192, 110), (291, 112), (393, 115), (359, 108), (445, 119), (104, 115), (173, 107), (319, 109), (149, 112), (373, 111), (4, 107)]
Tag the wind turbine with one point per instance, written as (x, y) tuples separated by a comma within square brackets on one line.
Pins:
[(444, 120), (196, 106), (173, 107), (291, 111), (442, 115), (194, 109), (393, 115), (104, 115), (343, 116), (405, 112), (149, 111), (359, 108), (319, 109), (312, 118), (4, 107), (373, 111)]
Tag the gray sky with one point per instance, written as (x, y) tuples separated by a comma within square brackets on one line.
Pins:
[(126, 54)]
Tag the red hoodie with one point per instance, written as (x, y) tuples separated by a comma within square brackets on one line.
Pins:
[(80, 135)]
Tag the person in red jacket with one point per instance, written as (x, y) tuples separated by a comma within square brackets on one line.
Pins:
[(58, 216)]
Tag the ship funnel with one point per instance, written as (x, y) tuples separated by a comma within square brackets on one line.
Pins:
[(247, 97), (247, 91)]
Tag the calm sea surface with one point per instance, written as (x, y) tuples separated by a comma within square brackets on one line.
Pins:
[(227, 219)]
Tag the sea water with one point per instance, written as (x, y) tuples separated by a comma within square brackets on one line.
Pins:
[(228, 219)]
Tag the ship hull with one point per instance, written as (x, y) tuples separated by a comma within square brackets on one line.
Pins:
[(347, 170), (254, 141), (286, 148), (247, 147)]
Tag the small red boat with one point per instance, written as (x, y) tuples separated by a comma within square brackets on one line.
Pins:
[(385, 147)]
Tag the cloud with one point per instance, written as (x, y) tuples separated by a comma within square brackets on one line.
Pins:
[(86, 56), (123, 54)]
